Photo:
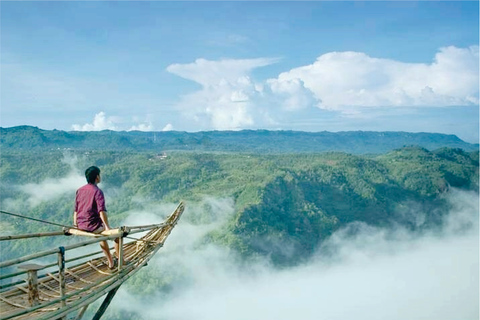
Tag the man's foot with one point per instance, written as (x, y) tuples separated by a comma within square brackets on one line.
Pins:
[(115, 264)]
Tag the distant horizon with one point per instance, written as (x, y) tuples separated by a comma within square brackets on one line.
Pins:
[(240, 130), (202, 66)]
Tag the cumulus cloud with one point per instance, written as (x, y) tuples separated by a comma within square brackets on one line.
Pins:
[(290, 94), (346, 80), (142, 127), (100, 122), (225, 100), (103, 122), (372, 273), (168, 127)]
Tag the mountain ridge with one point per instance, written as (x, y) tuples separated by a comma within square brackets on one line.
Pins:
[(263, 141)]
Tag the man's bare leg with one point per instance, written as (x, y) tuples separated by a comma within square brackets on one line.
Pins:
[(106, 251)]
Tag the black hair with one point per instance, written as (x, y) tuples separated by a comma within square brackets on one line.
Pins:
[(91, 174)]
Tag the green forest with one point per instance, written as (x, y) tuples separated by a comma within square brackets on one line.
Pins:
[(280, 200), (298, 199), (252, 141)]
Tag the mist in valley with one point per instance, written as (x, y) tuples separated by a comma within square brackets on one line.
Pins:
[(367, 273), (360, 272)]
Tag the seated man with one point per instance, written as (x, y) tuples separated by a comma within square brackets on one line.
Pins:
[(90, 213)]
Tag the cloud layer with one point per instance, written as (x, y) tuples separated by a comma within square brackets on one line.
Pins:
[(50, 188), (342, 81), (375, 274)]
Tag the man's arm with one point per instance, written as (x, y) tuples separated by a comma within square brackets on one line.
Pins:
[(104, 218), (75, 219)]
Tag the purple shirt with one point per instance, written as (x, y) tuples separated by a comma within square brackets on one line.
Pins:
[(89, 201)]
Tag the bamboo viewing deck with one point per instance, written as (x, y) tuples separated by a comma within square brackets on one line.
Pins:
[(67, 291)]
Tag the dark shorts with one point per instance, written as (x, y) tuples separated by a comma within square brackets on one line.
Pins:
[(99, 230)]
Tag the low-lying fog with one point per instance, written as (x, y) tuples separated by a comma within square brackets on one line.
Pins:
[(377, 274)]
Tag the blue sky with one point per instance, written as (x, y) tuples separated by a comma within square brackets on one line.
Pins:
[(190, 66)]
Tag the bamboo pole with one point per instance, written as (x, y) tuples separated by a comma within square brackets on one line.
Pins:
[(79, 232), (32, 283), (32, 235), (52, 251), (29, 257), (69, 295), (87, 299), (105, 304), (81, 313), (61, 274), (47, 266), (149, 225), (94, 296), (120, 254), (104, 285)]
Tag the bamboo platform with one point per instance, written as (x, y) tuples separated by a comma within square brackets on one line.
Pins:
[(67, 291)]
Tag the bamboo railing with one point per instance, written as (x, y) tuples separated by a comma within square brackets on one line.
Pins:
[(55, 290)]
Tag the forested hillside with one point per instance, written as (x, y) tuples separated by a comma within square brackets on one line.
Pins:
[(289, 201), (257, 141), (277, 206)]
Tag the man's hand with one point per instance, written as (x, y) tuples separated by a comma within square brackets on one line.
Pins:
[(75, 219), (103, 216)]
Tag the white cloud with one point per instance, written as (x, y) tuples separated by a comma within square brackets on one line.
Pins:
[(103, 122), (291, 94), (340, 81), (227, 98), (100, 122), (52, 188), (375, 274), (168, 127), (142, 127), (345, 80), (212, 73)]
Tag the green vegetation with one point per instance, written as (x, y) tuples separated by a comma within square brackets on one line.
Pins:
[(285, 204), (249, 141)]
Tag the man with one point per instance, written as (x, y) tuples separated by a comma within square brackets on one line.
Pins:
[(90, 213)]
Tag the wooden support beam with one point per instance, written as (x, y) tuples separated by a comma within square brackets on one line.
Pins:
[(61, 278), (120, 254), (82, 312), (105, 304), (32, 281)]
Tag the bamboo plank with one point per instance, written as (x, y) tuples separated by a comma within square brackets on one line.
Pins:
[(6, 300), (40, 291), (57, 281), (77, 277), (98, 270)]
